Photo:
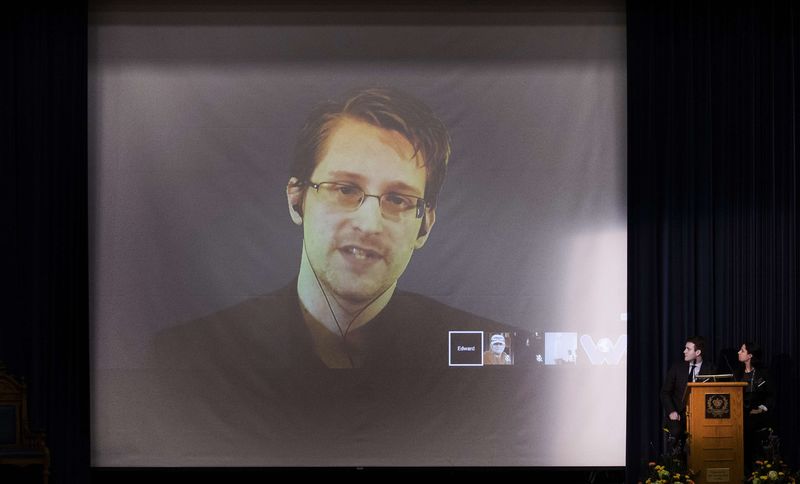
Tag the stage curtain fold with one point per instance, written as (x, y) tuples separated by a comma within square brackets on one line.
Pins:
[(45, 329), (713, 104)]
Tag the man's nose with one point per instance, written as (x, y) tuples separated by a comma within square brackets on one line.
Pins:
[(368, 216)]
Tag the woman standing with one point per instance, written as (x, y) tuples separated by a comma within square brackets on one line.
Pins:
[(759, 399)]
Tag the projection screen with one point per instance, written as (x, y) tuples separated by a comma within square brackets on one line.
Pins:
[(240, 319)]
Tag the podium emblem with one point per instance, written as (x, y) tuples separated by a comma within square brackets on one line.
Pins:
[(718, 405)]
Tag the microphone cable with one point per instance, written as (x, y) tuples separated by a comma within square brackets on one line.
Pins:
[(346, 331)]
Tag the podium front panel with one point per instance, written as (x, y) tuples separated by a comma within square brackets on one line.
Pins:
[(714, 424)]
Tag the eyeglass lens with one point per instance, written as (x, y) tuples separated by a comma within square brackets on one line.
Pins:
[(351, 197)]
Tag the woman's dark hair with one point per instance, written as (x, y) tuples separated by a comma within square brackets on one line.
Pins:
[(754, 349)]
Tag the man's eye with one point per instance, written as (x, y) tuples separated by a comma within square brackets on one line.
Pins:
[(398, 200), (347, 190)]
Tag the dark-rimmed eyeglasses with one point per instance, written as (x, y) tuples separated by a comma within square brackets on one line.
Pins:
[(349, 197)]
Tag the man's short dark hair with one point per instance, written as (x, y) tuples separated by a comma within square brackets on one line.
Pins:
[(699, 343), (385, 108)]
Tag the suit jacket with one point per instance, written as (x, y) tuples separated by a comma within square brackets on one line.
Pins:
[(674, 387)]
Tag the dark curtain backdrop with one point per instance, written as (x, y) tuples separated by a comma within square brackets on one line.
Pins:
[(43, 155), (713, 133), (713, 180)]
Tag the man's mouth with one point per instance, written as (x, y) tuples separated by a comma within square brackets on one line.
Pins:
[(360, 253)]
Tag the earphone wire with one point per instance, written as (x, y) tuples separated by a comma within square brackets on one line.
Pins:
[(344, 333)]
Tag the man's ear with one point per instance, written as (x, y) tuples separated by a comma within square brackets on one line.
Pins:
[(425, 229), (294, 196)]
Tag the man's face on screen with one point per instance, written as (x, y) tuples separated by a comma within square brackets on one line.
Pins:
[(358, 253)]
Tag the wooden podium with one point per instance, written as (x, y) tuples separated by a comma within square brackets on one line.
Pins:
[(714, 423)]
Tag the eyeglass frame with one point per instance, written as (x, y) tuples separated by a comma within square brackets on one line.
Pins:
[(421, 205)]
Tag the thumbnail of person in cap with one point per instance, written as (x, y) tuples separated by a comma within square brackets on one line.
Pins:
[(497, 355)]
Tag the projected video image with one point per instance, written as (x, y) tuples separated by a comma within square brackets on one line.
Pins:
[(316, 245), (365, 204)]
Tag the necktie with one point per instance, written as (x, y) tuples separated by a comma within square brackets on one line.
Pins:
[(691, 373)]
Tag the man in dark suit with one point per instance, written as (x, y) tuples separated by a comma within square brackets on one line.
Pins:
[(674, 388)]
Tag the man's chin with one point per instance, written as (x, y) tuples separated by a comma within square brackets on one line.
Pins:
[(357, 296)]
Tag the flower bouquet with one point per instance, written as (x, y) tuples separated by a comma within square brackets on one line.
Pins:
[(766, 472), (661, 474)]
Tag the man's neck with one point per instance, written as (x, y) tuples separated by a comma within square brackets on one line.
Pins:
[(336, 315), (697, 361)]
